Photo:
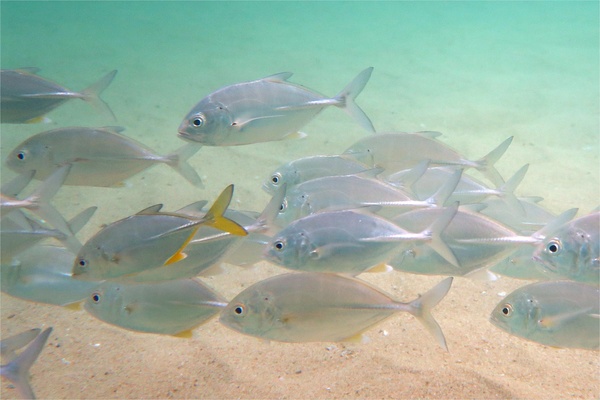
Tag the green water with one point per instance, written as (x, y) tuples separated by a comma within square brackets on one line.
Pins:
[(476, 71)]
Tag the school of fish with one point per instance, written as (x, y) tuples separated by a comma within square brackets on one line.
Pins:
[(391, 201)]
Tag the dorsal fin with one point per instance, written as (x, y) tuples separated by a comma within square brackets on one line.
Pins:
[(280, 77), (150, 210)]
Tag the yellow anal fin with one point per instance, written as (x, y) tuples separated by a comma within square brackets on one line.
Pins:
[(73, 306), (383, 267), (187, 334), (179, 254)]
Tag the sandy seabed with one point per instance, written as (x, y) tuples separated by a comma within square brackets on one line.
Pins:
[(521, 91)]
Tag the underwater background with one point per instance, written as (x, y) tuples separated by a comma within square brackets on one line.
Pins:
[(478, 72)]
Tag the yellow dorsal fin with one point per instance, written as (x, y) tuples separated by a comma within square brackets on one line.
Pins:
[(214, 217)]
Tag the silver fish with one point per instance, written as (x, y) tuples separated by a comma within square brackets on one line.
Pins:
[(573, 251), (99, 156), (399, 150), (43, 274), (169, 308), (17, 370), (39, 201), (307, 168), (322, 307), (348, 241), (15, 238), (557, 313), (146, 240), (265, 110), (27, 97), (353, 191)]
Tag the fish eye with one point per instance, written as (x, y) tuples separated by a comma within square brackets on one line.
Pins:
[(553, 246), (96, 297), (82, 262), (21, 155), (198, 121), (276, 178), (279, 245), (240, 310), (507, 310)]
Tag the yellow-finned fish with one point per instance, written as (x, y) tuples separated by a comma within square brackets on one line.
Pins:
[(322, 307), (146, 240)]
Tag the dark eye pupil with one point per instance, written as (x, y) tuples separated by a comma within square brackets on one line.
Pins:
[(279, 245), (21, 156), (96, 298), (82, 263), (553, 248), (238, 310), (197, 122), (275, 179), (505, 311)]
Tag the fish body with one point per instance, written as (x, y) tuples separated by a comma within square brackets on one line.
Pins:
[(307, 168), (27, 97), (343, 241), (146, 240), (264, 110), (168, 308), (555, 313), (321, 307), (573, 251), (341, 192), (461, 236), (43, 274), (98, 156), (400, 150)]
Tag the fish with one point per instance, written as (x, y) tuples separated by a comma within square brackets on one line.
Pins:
[(16, 239), (98, 156), (17, 370), (353, 191), (573, 250), (39, 201), (349, 241), (562, 314), (265, 110), (11, 344), (477, 241), (26, 98), (210, 246), (322, 307), (169, 308), (312, 167), (397, 151), (42, 274), (146, 240)]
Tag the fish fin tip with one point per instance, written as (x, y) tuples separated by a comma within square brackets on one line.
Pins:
[(187, 334)]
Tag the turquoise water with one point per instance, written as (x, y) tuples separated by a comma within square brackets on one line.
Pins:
[(476, 71)]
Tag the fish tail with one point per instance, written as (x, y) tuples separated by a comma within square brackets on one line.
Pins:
[(178, 160), (266, 220), (486, 164), (346, 97), (434, 232), (92, 93), (421, 309), (40, 199), (17, 371), (442, 195), (214, 216)]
